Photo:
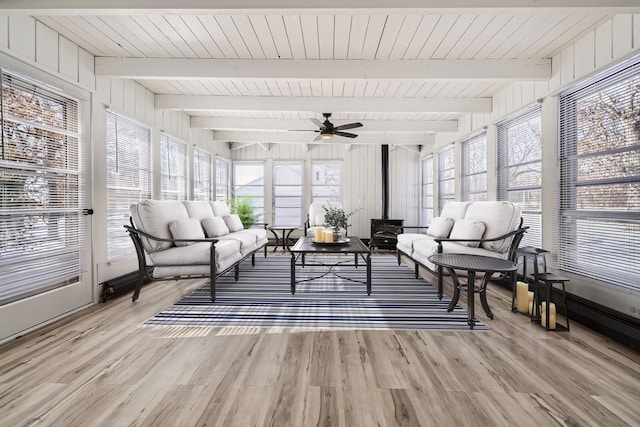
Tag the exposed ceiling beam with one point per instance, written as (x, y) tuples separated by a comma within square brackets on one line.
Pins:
[(233, 124), (322, 104), (306, 138), (122, 7), (191, 69)]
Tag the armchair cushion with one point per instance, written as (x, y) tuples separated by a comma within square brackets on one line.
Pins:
[(233, 222), (440, 227), (220, 208), (188, 228), (215, 226), (467, 229)]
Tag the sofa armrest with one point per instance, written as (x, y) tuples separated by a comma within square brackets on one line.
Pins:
[(517, 233), (264, 224)]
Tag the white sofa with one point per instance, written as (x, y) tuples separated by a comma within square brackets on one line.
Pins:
[(489, 228), (180, 239)]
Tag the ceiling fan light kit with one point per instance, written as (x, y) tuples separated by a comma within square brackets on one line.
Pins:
[(327, 130)]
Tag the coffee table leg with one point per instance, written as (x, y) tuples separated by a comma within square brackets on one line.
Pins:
[(293, 274), (471, 281), (456, 289), (483, 294), (369, 274)]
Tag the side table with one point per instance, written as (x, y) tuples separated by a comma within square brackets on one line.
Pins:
[(472, 264), (526, 253), (283, 239)]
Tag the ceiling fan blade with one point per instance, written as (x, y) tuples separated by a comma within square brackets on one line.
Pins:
[(348, 126), (302, 130), (318, 138), (346, 134), (317, 122)]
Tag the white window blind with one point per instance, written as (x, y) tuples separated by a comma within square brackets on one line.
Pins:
[(248, 180), (599, 215), (128, 179), (326, 182), (446, 176), (426, 190), (41, 224), (223, 179), (173, 168), (474, 168), (201, 174), (520, 169), (287, 193)]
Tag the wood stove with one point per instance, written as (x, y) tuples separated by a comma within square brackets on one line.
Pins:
[(384, 231)]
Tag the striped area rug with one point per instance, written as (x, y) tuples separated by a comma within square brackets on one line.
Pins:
[(262, 298)]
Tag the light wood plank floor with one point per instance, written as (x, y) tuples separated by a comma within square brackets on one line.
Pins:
[(100, 367)]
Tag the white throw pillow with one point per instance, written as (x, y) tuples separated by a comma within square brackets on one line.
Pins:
[(188, 228), (215, 226), (467, 229), (440, 227), (233, 222)]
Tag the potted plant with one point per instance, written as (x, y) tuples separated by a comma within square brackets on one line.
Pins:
[(338, 220), (242, 206)]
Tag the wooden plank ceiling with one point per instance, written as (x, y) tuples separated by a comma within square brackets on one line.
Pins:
[(376, 58)]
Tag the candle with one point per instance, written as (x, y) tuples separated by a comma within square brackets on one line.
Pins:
[(328, 236), (522, 297), (319, 234), (552, 315), (531, 307)]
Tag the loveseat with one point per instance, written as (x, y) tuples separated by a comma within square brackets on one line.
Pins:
[(190, 239), (489, 228)]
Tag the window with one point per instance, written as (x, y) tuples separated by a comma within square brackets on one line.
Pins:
[(599, 225), (201, 174), (128, 179), (520, 169), (248, 180), (426, 187), (41, 223), (326, 182), (173, 168), (446, 176), (474, 168), (223, 181), (287, 193)]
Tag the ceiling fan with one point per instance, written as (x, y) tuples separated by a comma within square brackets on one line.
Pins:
[(327, 130)]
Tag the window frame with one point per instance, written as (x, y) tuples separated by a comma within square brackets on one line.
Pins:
[(202, 179), (532, 218), (276, 197), (223, 190), (446, 176), (258, 200), (426, 190), (173, 184), (475, 142), (340, 186)]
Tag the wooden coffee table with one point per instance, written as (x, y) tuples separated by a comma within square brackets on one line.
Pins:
[(305, 246)]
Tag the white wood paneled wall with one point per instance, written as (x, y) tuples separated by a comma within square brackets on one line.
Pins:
[(362, 173)]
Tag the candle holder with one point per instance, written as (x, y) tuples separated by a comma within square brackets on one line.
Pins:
[(543, 308)]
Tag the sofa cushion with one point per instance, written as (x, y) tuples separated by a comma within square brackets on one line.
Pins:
[(467, 229), (198, 209), (499, 218), (440, 227), (406, 241), (248, 242), (220, 208), (215, 226), (194, 259), (455, 210), (233, 222), (153, 217), (188, 228)]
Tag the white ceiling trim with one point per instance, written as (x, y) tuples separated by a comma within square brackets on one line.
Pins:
[(322, 104), (400, 126), (190, 69), (129, 7), (250, 137)]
